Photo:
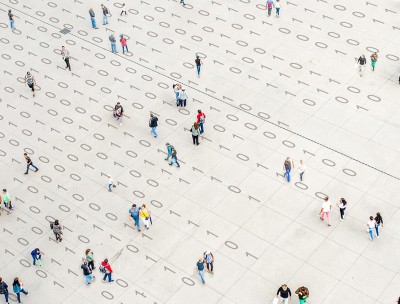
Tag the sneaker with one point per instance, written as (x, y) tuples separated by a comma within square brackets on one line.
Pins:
[(377, 236), (139, 230), (26, 173), (111, 281), (341, 220), (120, 124), (109, 190), (37, 170)]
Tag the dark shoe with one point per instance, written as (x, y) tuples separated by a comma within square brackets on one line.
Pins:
[(26, 173), (37, 170)]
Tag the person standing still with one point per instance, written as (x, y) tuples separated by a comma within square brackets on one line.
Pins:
[(342, 207), (195, 133), (65, 56), (4, 289), (182, 2), (303, 293), (11, 18), (287, 166), (200, 269), (153, 123), (57, 230), (209, 259), (374, 59), (93, 19), (134, 214), (177, 89), (105, 14), (378, 220), (201, 120), (361, 64), (183, 96), (199, 63), (118, 112), (29, 163), (123, 43), (301, 169), (18, 287), (110, 183), (269, 7), (325, 210), (31, 82), (371, 227), (283, 294), (113, 43)]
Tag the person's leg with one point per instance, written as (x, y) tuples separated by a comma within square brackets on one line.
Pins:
[(6, 296), (184, 102), (127, 48), (36, 168), (328, 218), (341, 213), (201, 128), (301, 176), (27, 168), (201, 275), (24, 291), (104, 277), (194, 141), (110, 278), (212, 267), (12, 24), (287, 173), (87, 279), (18, 297), (176, 161), (377, 230), (137, 222), (322, 215), (370, 234), (93, 22), (176, 96), (198, 70)]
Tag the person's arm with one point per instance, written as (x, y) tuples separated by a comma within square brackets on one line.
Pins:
[(321, 210), (279, 290), (34, 80), (290, 294)]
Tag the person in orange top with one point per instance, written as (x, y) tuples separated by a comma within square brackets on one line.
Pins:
[(107, 270)]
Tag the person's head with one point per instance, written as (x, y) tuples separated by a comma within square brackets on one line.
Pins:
[(134, 206), (284, 286), (201, 260), (106, 261), (167, 144), (326, 198), (198, 111), (183, 88), (197, 57), (378, 214), (102, 5), (4, 190), (195, 125), (363, 56), (371, 218), (9, 11), (27, 73), (122, 36), (343, 201), (37, 249), (288, 158), (87, 251), (84, 262), (25, 154), (16, 281), (118, 103), (63, 47), (151, 115), (301, 161), (56, 222), (1, 280)]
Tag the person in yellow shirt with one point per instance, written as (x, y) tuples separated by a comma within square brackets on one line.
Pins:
[(145, 214)]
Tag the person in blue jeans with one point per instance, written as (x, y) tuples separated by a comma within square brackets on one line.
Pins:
[(200, 268), (92, 18), (113, 45), (134, 213), (29, 163), (4, 289), (199, 63), (287, 167), (371, 227), (36, 256), (153, 123), (378, 220), (11, 17), (18, 288)]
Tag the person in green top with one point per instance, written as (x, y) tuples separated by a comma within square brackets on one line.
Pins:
[(7, 201), (90, 258)]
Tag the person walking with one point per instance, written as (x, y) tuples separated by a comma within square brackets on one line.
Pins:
[(87, 272), (89, 258), (31, 82), (123, 43), (169, 150), (36, 257), (110, 183), (301, 169), (66, 56), (199, 63), (153, 123), (174, 158), (177, 90), (361, 64), (269, 7), (182, 2), (145, 214), (7, 201), (4, 289), (200, 269), (378, 221), (113, 43), (92, 18), (11, 18), (107, 270), (374, 59), (325, 210), (18, 288), (287, 167), (209, 259), (183, 96), (201, 120), (123, 9), (57, 230), (105, 14), (303, 293), (342, 207), (195, 133), (283, 295), (118, 112), (277, 8), (371, 227), (134, 214), (29, 163)]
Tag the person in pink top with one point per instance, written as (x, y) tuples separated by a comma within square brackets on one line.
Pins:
[(325, 210), (123, 43)]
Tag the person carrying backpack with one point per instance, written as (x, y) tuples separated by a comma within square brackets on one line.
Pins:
[(105, 268), (118, 112), (57, 230), (209, 259), (36, 256), (18, 288), (87, 272), (105, 14), (4, 289), (269, 7), (201, 120)]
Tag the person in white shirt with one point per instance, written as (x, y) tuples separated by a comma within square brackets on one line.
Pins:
[(110, 183), (183, 96), (342, 207), (301, 169), (277, 8), (371, 227), (325, 210)]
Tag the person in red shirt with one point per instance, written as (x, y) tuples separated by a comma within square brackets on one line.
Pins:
[(201, 119), (107, 270), (123, 43)]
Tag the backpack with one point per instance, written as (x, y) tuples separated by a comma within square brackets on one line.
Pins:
[(3, 289), (102, 269), (16, 288), (51, 225), (202, 119), (269, 5)]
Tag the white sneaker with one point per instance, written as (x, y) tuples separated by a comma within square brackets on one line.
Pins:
[(341, 220), (377, 236), (120, 124)]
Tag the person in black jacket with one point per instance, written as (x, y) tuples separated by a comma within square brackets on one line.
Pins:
[(379, 220), (284, 294), (153, 125), (4, 289), (87, 272)]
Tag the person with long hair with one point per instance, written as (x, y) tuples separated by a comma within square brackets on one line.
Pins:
[(89, 258), (195, 133), (342, 207), (378, 221), (18, 288)]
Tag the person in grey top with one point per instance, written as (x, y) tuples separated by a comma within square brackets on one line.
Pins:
[(57, 230), (105, 14), (92, 18), (113, 45)]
